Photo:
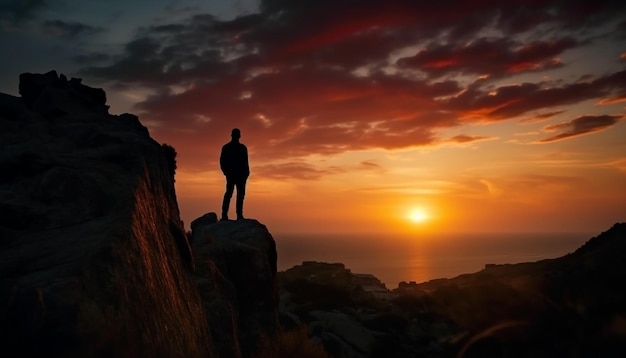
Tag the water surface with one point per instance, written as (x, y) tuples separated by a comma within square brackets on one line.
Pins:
[(395, 259)]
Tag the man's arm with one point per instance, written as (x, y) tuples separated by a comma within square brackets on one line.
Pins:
[(223, 160), (247, 164)]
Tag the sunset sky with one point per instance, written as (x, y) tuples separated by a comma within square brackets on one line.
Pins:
[(361, 115)]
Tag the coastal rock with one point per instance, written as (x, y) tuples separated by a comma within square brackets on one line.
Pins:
[(350, 320), (236, 269), (94, 261), (567, 306)]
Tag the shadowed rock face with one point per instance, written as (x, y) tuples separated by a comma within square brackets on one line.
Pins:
[(94, 261), (236, 269)]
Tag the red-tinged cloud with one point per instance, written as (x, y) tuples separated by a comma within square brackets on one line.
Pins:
[(489, 56), (305, 111), (511, 101), (580, 126), (308, 77), (613, 100)]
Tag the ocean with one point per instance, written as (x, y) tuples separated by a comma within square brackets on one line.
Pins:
[(393, 259)]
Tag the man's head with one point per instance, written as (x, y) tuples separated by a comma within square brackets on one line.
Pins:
[(236, 133)]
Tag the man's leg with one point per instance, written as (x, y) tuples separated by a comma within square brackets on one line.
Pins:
[(241, 193), (230, 186)]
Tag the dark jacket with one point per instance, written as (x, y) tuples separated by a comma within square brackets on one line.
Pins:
[(234, 160)]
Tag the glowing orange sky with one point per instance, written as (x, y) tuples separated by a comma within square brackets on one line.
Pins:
[(486, 115)]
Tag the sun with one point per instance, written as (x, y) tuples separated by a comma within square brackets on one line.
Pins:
[(418, 216)]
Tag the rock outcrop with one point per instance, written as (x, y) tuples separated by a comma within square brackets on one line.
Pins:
[(94, 261), (349, 321), (53, 95), (236, 269), (572, 306)]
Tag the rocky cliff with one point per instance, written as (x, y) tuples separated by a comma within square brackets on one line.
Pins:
[(94, 260)]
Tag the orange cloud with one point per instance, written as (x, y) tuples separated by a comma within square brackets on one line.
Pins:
[(541, 117), (613, 100), (462, 138), (580, 126)]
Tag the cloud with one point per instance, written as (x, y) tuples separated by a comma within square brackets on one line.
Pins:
[(293, 170), (19, 10), (540, 117), (613, 100), (530, 182), (351, 34), (370, 165), (463, 138), (303, 77), (16, 15), (91, 58), (58, 28), (513, 100), (164, 55), (495, 57), (580, 126)]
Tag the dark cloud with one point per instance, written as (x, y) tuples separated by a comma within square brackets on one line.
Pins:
[(170, 54), (489, 56), (58, 28), (303, 77), (620, 30), (580, 126), (18, 10), (511, 101), (351, 34), (91, 58)]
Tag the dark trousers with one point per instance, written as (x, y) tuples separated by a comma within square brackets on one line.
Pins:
[(231, 183)]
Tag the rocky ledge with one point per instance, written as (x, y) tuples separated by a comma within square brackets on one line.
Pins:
[(236, 270)]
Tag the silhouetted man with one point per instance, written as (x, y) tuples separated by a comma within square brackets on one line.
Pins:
[(234, 165)]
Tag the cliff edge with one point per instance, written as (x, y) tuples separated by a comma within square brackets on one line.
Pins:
[(94, 261)]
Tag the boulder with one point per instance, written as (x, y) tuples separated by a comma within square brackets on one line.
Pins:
[(204, 220), (336, 327), (236, 269)]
